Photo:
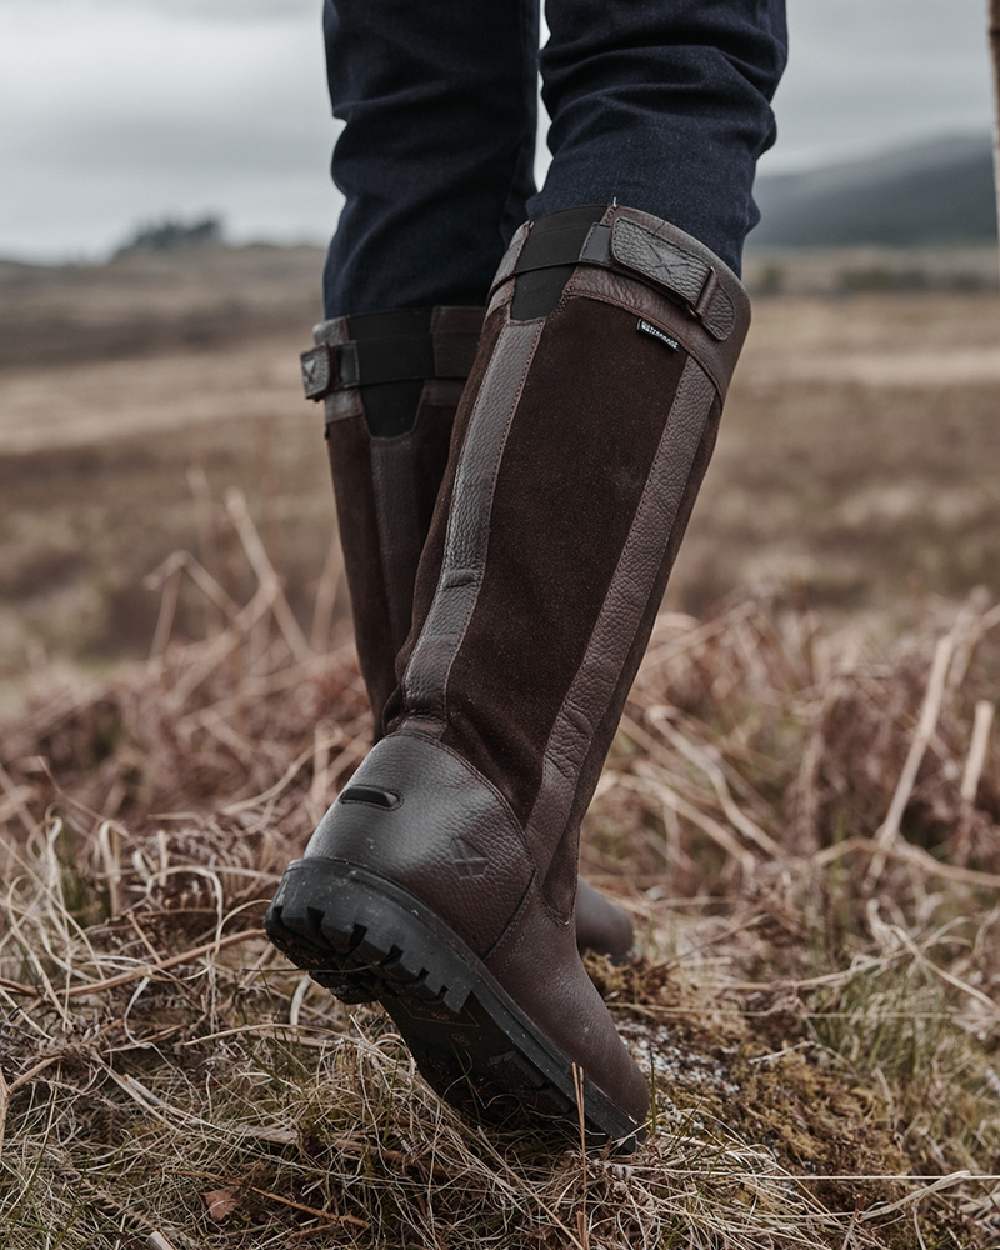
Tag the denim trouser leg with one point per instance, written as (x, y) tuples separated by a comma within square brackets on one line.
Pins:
[(436, 159), (664, 104)]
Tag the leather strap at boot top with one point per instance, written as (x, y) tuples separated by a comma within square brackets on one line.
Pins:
[(438, 354), (663, 256)]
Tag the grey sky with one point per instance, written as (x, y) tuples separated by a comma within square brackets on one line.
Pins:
[(120, 110)]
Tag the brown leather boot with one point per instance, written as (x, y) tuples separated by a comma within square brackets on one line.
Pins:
[(392, 382), (445, 874)]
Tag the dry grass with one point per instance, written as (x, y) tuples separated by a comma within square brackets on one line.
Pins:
[(808, 834)]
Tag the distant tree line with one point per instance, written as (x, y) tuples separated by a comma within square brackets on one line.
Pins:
[(171, 233)]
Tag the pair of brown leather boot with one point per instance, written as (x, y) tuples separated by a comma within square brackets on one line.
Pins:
[(443, 880)]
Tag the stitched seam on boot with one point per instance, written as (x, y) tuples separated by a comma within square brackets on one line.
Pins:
[(513, 924), (508, 941)]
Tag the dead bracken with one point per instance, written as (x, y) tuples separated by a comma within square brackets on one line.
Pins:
[(806, 828)]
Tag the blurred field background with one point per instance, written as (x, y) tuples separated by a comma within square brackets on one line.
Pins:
[(856, 471)]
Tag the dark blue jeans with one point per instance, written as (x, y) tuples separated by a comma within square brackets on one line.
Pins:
[(664, 104)]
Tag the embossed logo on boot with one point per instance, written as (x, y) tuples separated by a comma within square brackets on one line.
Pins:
[(468, 860)]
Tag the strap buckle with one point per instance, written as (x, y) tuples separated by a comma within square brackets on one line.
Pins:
[(327, 368)]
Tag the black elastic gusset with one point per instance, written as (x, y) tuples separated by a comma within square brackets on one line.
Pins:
[(398, 358), (384, 325), (548, 257), (391, 407)]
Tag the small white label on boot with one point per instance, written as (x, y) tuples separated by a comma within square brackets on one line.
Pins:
[(654, 332)]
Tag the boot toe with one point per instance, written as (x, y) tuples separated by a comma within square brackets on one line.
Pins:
[(538, 964)]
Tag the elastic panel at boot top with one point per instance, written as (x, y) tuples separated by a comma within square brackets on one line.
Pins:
[(391, 407), (538, 292), (382, 325)]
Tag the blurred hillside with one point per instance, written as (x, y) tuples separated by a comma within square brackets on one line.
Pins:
[(152, 300), (938, 192)]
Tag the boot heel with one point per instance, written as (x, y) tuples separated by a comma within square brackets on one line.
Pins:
[(361, 937)]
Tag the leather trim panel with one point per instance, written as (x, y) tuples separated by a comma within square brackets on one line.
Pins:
[(425, 681), (450, 838), (678, 270)]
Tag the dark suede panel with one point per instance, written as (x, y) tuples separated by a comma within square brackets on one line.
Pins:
[(433, 552), (562, 870), (350, 462), (573, 470)]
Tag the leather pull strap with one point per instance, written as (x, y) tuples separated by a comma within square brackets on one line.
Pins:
[(678, 271), (625, 246), (397, 358)]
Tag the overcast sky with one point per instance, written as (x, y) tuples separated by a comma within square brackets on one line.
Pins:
[(112, 111)]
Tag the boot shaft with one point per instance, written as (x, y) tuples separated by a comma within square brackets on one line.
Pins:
[(391, 383), (388, 437), (580, 444)]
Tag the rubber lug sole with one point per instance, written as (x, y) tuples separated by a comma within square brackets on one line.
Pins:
[(359, 991), (364, 938)]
